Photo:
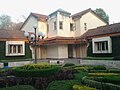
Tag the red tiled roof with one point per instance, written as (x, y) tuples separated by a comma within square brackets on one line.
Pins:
[(103, 30), (40, 17), (11, 34)]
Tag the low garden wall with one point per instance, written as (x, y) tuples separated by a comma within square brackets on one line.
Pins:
[(15, 64), (109, 63)]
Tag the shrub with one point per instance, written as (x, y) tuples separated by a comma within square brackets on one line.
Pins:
[(108, 79), (99, 67), (69, 64), (20, 87), (100, 85), (19, 72), (81, 87), (62, 85), (102, 74), (42, 65)]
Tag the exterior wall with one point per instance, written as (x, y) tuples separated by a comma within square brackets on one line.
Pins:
[(52, 51), (77, 25), (51, 31), (66, 26), (28, 27), (62, 51), (42, 26), (27, 55), (91, 20)]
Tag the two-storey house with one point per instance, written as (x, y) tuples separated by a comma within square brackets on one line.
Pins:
[(61, 30)]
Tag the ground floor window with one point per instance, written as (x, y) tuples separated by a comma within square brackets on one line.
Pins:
[(15, 48), (102, 45)]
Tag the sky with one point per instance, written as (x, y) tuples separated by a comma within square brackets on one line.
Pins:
[(19, 8)]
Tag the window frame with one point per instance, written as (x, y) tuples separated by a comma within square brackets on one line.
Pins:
[(61, 25), (102, 45), (55, 25), (13, 47)]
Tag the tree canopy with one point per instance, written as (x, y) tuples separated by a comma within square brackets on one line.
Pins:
[(102, 14), (5, 21)]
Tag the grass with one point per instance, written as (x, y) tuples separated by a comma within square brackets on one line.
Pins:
[(20, 87)]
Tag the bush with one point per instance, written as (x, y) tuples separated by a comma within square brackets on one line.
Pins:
[(62, 85), (19, 72), (20, 87), (108, 79), (100, 85), (102, 74), (81, 87), (69, 64), (99, 67), (42, 65)]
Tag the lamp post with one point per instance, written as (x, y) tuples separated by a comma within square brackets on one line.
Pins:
[(33, 39)]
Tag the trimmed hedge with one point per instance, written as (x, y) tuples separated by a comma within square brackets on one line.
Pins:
[(69, 64), (81, 87), (19, 87), (99, 67), (62, 85), (19, 72), (108, 79), (100, 85), (102, 74)]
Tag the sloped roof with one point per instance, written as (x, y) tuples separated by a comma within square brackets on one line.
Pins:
[(103, 30), (12, 34), (60, 10), (80, 14), (40, 17)]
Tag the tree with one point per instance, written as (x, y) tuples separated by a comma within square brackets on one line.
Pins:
[(5, 21), (102, 13)]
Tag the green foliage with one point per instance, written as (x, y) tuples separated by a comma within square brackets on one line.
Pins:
[(81, 87), (99, 67), (102, 14), (28, 53), (102, 74), (69, 64), (36, 71), (108, 79), (99, 85), (5, 22), (20, 87), (43, 65), (79, 75), (62, 85)]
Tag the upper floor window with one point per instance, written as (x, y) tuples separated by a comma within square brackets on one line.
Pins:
[(85, 26), (60, 25), (55, 26), (71, 26)]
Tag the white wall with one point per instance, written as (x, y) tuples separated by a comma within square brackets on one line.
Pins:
[(91, 20), (52, 51), (52, 32), (28, 26), (62, 51)]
